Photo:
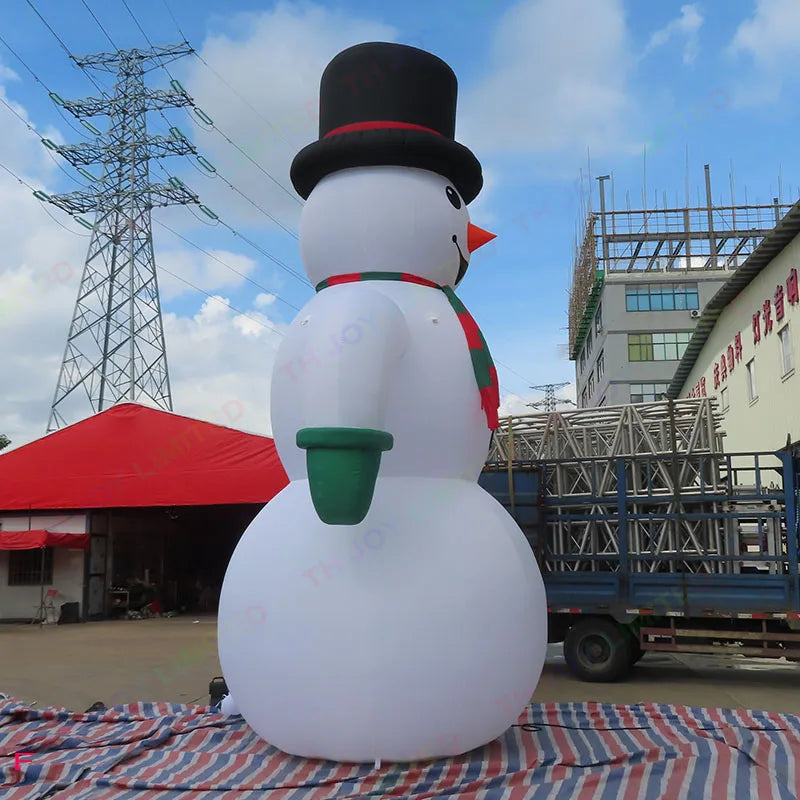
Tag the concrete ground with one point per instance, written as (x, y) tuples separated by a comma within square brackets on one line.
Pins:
[(174, 660)]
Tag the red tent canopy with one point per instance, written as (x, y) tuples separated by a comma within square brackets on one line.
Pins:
[(30, 540), (135, 456)]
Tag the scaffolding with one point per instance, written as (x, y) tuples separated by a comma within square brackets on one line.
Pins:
[(687, 505), (665, 239)]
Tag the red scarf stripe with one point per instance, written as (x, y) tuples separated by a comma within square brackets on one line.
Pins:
[(407, 277), (471, 331), (347, 277), (496, 388), (489, 405)]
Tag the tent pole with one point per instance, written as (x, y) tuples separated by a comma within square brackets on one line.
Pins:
[(41, 591)]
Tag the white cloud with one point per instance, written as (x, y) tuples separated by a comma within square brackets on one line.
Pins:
[(263, 300), (687, 26), (222, 360), (557, 81), (769, 41)]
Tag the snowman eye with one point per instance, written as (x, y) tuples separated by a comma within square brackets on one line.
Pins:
[(453, 197)]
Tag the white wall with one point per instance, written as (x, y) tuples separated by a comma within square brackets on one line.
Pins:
[(20, 602), (764, 423)]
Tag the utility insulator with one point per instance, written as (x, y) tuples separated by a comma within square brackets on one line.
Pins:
[(178, 133), (85, 223), (206, 164), (200, 114), (49, 144), (89, 127), (86, 174), (57, 99), (208, 212), (40, 195)]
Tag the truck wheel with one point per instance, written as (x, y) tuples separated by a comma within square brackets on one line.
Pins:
[(636, 653), (597, 650)]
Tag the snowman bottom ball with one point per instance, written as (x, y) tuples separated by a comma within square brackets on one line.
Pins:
[(419, 633)]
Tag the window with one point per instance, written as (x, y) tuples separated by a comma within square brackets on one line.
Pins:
[(751, 380), (590, 385), (657, 346), (25, 567), (662, 297), (583, 359), (647, 392), (583, 398), (598, 320), (601, 365), (724, 401), (786, 349), (640, 347), (588, 346)]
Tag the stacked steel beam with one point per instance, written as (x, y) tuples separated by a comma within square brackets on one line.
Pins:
[(661, 465)]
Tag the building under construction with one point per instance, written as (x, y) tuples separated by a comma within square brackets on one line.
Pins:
[(640, 280)]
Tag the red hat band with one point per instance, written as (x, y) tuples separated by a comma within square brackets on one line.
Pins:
[(377, 125)]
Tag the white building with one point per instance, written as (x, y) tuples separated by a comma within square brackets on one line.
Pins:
[(745, 347)]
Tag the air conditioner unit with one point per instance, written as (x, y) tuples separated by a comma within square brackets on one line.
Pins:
[(694, 314)]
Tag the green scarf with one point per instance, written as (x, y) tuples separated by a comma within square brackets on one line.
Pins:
[(482, 364)]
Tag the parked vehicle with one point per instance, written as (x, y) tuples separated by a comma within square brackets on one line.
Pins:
[(691, 552)]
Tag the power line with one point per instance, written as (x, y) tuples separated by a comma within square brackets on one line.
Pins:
[(225, 264), (223, 302), (33, 130), (240, 96), (113, 44), (169, 11), (260, 249), (141, 30), (169, 272), (41, 83), (167, 121), (256, 164), (67, 51), (47, 25), (275, 260), (228, 139), (44, 208), (269, 255)]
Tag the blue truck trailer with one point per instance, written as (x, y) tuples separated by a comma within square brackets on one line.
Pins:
[(664, 551)]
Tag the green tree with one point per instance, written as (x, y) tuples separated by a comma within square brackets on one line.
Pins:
[(4, 441)]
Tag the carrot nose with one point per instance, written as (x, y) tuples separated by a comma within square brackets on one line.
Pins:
[(477, 237)]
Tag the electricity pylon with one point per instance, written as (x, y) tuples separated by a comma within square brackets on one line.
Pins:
[(549, 401), (115, 347)]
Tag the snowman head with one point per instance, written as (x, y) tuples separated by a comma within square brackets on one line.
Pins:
[(387, 219)]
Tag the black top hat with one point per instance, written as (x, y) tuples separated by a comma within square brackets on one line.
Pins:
[(383, 103)]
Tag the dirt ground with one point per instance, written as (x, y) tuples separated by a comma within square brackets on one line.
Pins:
[(174, 659)]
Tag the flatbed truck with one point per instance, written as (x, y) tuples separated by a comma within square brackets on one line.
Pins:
[(709, 565)]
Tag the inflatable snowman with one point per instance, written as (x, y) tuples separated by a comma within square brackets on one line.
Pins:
[(404, 615)]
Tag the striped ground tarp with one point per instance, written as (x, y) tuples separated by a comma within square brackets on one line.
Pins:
[(557, 751)]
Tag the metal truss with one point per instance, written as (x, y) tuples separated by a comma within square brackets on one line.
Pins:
[(655, 471), (115, 348)]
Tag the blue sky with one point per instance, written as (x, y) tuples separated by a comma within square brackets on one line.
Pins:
[(545, 87)]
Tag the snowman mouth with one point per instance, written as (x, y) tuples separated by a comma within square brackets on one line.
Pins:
[(462, 262)]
